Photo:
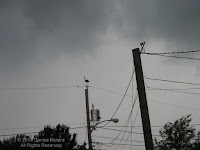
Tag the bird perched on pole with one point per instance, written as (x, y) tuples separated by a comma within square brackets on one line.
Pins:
[(87, 81)]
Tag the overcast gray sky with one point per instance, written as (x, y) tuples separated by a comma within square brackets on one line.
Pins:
[(48, 43)]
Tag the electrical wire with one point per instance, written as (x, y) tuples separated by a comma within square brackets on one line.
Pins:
[(97, 144), (167, 54), (122, 97), (150, 88), (165, 80), (197, 124), (18, 134), (36, 127), (131, 131), (42, 88), (21, 128), (34, 132), (135, 127), (130, 115), (130, 126), (126, 124), (105, 137), (190, 58), (175, 105), (129, 146), (109, 91), (140, 133), (121, 131), (176, 89), (148, 99), (117, 144), (183, 52)]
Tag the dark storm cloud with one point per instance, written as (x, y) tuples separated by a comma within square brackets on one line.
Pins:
[(75, 24), (67, 26), (16, 36), (175, 22), (180, 23), (55, 27)]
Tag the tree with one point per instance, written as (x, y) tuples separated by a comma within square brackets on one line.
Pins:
[(177, 136), (197, 142), (11, 143), (49, 138)]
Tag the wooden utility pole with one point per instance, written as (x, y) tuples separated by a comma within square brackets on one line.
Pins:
[(88, 118), (142, 99)]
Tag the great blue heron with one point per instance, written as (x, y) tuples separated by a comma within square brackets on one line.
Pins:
[(86, 80)]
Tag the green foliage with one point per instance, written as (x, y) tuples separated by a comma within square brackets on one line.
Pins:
[(60, 132), (179, 135)]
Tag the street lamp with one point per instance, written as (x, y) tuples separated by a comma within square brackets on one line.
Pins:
[(115, 120)]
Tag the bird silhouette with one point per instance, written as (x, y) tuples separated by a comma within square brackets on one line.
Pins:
[(86, 80)]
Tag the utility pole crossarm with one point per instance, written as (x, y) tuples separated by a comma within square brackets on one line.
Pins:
[(142, 99)]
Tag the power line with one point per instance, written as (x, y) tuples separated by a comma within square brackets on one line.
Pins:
[(109, 91), (105, 137), (149, 88), (128, 126), (165, 80), (34, 132), (135, 127), (176, 89), (130, 115), (85, 126), (19, 128), (148, 99), (120, 130), (175, 105), (131, 129), (122, 97), (166, 54), (196, 124), (183, 52), (78, 127), (125, 131), (132, 104), (127, 122), (127, 147), (116, 144), (41, 88), (175, 56), (18, 134)]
